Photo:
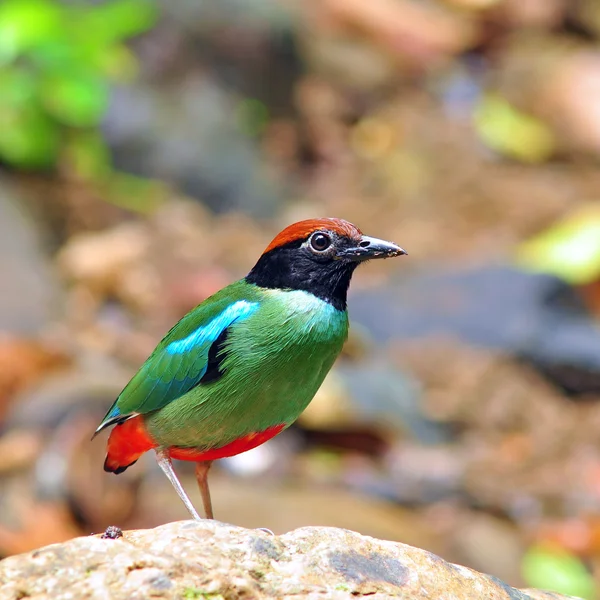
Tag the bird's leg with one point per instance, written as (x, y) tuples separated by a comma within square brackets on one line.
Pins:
[(164, 462), (202, 469)]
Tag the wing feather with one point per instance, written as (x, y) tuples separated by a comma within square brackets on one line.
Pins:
[(179, 361)]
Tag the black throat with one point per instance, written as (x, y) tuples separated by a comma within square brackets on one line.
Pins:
[(292, 267)]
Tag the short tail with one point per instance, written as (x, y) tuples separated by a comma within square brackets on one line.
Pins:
[(110, 466), (127, 442)]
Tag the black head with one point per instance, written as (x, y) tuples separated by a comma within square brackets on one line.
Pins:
[(318, 256)]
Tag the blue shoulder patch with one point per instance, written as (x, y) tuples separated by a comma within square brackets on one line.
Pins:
[(114, 412), (241, 309)]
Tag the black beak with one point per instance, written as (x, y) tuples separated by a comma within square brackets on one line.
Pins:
[(369, 248)]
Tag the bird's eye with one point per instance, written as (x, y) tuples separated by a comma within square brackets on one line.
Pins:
[(320, 242)]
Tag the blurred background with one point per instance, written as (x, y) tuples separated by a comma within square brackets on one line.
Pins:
[(149, 151)]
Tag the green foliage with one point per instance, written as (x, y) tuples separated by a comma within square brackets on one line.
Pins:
[(570, 249), (57, 61), (252, 116), (512, 133), (557, 570)]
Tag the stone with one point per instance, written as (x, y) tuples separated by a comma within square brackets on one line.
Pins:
[(373, 393), (533, 317), (185, 134), (31, 294), (209, 559)]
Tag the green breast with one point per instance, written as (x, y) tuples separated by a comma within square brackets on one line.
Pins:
[(276, 361)]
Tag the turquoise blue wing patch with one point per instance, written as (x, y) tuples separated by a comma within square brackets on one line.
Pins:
[(177, 364)]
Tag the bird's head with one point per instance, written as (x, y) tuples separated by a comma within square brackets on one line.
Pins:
[(318, 256)]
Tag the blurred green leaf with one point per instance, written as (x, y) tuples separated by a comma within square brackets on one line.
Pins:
[(77, 99), (116, 62), (135, 193), (25, 23), (88, 155), (557, 570), (112, 62), (570, 249), (513, 133), (29, 138), (16, 89), (119, 20), (252, 116), (57, 61), (56, 56)]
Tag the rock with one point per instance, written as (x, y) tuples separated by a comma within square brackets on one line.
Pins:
[(287, 507), (51, 487), (556, 79), (99, 258), (534, 13), (460, 302), (30, 293), (209, 559), (372, 393), (412, 32), (574, 78), (491, 544), (534, 317), (212, 76), (24, 362), (185, 134)]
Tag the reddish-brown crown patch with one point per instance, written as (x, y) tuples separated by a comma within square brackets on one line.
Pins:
[(302, 229)]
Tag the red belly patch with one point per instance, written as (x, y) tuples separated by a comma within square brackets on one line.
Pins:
[(128, 441), (243, 444)]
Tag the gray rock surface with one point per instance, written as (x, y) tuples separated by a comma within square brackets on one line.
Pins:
[(530, 316), (29, 291), (208, 559)]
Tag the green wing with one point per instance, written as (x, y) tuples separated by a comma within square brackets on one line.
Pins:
[(181, 359)]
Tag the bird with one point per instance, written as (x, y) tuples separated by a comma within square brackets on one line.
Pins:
[(240, 367)]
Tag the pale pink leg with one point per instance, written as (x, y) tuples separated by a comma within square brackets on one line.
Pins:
[(202, 469)]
